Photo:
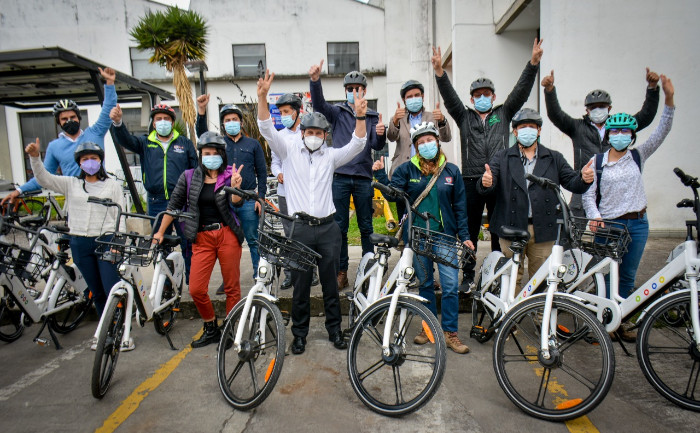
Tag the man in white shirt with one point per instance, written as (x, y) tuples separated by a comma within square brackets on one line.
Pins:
[(308, 164)]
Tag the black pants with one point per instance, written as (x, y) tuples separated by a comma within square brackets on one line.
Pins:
[(324, 239), (475, 211)]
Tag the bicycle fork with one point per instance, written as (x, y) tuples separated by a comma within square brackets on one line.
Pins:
[(553, 279), (405, 273)]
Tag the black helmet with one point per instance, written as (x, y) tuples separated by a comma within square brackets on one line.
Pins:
[(88, 148), (289, 99), (597, 97), (411, 84), (228, 109), (211, 139), (355, 77), (526, 115), (65, 105), (315, 120), (163, 108), (481, 83)]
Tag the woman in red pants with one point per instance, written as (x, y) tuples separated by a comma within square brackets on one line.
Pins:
[(215, 233)]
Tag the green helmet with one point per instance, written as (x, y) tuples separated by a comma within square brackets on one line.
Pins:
[(621, 121)]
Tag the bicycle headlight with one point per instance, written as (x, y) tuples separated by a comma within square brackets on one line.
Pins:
[(561, 270), (408, 272), (262, 271)]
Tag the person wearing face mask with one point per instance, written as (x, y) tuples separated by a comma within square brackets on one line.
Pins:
[(59, 152), (308, 165), (164, 156), (245, 151), (525, 206), (353, 179), (445, 200), (409, 116), (587, 132), (87, 220), (617, 192), (483, 131), (215, 232)]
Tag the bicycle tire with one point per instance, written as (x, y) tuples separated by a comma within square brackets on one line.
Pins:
[(667, 354), (65, 321), (482, 317), (29, 207), (11, 326), (585, 361), (379, 380), (108, 344), (264, 360), (166, 318)]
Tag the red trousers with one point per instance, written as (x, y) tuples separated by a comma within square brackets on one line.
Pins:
[(211, 245)]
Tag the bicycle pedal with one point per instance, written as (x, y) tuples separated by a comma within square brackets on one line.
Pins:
[(42, 341), (286, 317), (177, 310), (350, 295)]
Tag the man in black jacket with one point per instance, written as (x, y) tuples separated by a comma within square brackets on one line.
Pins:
[(587, 133), (525, 206), (483, 132)]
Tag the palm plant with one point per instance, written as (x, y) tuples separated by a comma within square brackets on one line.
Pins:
[(176, 37)]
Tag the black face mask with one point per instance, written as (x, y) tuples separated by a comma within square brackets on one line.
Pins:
[(71, 127)]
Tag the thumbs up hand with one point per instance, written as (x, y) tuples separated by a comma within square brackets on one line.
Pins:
[(587, 173), (381, 127), (487, 177), (400, 114), (378, 165), (116, 114), (32, 148), (437, 114)]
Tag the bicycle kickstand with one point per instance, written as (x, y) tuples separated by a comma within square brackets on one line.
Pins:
[(43, 341), (170, 342), (619, 340)]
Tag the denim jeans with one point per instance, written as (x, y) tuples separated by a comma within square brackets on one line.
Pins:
[(249, 223), (639, 232), (449, 281), (158, 205), (360, 188), (99, 275)]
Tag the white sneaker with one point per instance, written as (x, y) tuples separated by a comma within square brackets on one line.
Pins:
[(128, 345), (93, 346)]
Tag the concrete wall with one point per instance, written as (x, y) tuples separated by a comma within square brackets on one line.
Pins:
[(607, 44)]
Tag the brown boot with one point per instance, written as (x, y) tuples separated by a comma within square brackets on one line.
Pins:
[(421, 338), (343, 280), (452, 341)]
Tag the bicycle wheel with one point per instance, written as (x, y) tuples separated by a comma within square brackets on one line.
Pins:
[(576, 377), (164, 323), (667, 354), (67, 320), (246, 378), (482, 317), (29, 207), (11, 326), (404, 380), (108, 344)]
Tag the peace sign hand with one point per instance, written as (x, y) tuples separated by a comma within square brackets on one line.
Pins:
[(360, 103), (436, 60), (315, 71), (236, 178), (536, 52), (264, 83)]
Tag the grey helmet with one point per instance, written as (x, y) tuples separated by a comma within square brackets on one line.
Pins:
[(65, 105), (598, 96), (289, 99), (355, 77), (423, 129), (88, 148), (315, 120), (227, 109), (526, 115), (481, 83), (411, 84), (211, 139)]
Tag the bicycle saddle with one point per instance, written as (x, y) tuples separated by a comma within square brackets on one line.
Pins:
[(170, 241), (513, 234), (377, 239), (35, 221)]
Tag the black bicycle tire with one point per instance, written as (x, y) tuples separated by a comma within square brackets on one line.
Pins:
[(99, 383)]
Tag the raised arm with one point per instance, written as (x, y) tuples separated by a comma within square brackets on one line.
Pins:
[(267, 128), (559, 118), (657, 137), (201, 126), (345, 154), (449, 95), (103, 121), (51, 181), (651, 102), (260, 169), (121, 133), (589, 197), (318, 101)]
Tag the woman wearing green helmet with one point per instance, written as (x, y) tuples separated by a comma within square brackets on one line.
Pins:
[(617, 193)]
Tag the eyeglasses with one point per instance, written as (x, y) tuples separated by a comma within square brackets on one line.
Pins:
[(625, 131), (350, 89)]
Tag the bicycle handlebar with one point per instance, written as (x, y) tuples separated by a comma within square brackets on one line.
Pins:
[(687, 179), (566, 212)]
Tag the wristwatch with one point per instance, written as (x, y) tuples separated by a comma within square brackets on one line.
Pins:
[(360, 117)]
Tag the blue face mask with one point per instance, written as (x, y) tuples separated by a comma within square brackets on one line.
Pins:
[(527, 136), (350, 97), (232, 128), (428, 150), (164, 127), (620, 142), (414, 104), (483, 104), (287, 121), (212, 162)]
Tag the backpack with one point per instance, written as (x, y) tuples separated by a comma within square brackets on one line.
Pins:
[(599, 170)]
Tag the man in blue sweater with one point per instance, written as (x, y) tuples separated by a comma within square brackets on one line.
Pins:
[(354, 178), (59, 153), (245, 152)]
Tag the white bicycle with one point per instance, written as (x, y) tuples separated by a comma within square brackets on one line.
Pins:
[(159, 303)]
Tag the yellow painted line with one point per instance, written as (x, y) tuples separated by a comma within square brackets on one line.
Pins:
[(132, 402)]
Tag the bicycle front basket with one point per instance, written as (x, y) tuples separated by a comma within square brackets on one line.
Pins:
[(130, 248), (440, 248), (611, 240), (21, 262), (287, 253)]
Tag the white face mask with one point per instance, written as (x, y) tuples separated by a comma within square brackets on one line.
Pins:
[(313, 143), (598, 115)]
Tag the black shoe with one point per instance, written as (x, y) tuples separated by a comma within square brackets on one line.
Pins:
[(220, 290), (298, 345), (287, 283), (314, 280), (338, 340), (467, 286), (211, 334)]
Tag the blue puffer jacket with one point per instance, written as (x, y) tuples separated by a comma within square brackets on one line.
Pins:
[(450, 188)]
